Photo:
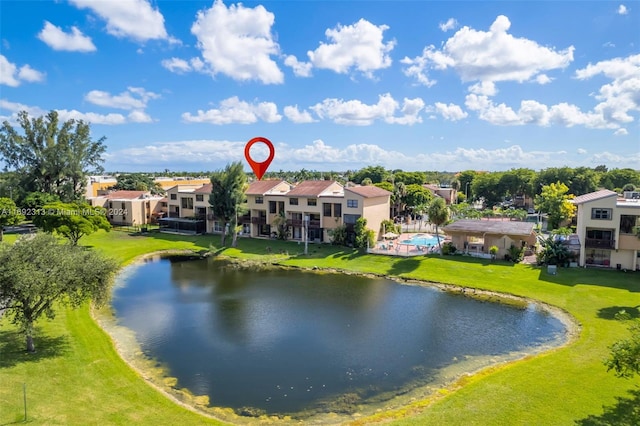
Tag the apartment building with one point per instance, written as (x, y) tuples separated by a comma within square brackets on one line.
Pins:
[(607, 226), (129, 208), (187, 209)]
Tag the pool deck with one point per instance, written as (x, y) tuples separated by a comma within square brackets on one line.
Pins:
[(395, 247)]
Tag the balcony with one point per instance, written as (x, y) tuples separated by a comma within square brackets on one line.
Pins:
[(299, 223), (259, 220), (599, 243)]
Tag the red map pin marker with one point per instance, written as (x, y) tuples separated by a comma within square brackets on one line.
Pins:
[(259, 168)]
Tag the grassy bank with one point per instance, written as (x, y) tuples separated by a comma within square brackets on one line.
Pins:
[(76, 377)]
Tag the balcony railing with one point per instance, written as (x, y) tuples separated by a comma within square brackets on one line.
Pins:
[(599, 243), (300, 223)]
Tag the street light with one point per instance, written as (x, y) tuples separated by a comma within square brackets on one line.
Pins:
[(466, 191), (305, 230)]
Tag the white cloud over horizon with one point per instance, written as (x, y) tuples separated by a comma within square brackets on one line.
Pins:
[(13, 76), (233, 110), (75, 41)]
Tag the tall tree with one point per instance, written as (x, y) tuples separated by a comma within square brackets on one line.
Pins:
[(37, 273), (49, 156), (438, 215), (72, 220), (227, 196), (554, 200), (9, 214), (137, 182), (624, 359)]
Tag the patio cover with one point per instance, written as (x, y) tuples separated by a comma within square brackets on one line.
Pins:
[(493, 227)]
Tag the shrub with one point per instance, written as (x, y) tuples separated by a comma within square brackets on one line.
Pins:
[(338, 235), (516, 254), (448, 248)]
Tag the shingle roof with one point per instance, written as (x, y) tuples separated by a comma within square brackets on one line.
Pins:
[(496, 227), (310, 188), (126, 195), (261, 187), (604, 193), (369, 191), (204, 189)]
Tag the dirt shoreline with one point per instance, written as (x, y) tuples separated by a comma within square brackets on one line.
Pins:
[(415, 400)]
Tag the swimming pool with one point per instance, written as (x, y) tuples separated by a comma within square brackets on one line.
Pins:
[(422, 240)]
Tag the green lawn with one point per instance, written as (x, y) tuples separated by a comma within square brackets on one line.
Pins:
[(76, 377)]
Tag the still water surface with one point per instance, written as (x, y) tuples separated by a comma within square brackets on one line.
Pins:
[(283, 341)]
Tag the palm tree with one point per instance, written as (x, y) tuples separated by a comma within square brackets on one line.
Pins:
[(438, 215)]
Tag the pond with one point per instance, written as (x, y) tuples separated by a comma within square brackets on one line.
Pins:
[(288, 341)]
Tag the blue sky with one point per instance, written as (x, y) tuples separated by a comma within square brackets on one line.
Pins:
[(335, 85)]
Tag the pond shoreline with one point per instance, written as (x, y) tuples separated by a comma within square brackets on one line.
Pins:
[(415, 399)]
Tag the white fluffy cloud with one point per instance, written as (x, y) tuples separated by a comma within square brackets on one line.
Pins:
[(621, 96), (355, 112), (451, 24), (57, 39), (235, 111), (450, 112), (237, 41), (319, 155), (622, 10), (12, 75), (489, 56), (134, 98), (297, 116), (135, 19), (360, 47)]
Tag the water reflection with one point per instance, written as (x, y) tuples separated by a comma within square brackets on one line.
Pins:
[(283, 341)]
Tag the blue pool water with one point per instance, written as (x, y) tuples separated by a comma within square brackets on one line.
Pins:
[(422, 240)]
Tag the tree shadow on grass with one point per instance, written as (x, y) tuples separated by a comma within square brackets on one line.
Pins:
[(13, 348), (625, 412), (404, 265), (610, 278), (611, 312)]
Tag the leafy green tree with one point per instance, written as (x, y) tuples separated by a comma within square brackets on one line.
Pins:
[(624, 358), (438, 215), (553, 252), (37, 274), (280, 223), (9, 214), (34, 201), (417, 195), (227, 196), (617, 178), (377, 174), (364, 237), (584, 181), (466, 179), (137, 182), (72, 220), (555, 201), (51, 157), (338, 235), (489, 187), (410, 178)]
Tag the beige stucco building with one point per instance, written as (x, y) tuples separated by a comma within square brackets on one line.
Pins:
[(129, 208), (607, 226)]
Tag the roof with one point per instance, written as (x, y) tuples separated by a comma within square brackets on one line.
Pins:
[(311, 188), (592, 196), (496, 227), (369, 191), (204, 189), (261, 187), (126, 195)]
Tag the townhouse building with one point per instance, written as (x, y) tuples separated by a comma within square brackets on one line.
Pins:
[(607, 228), (129, 208)]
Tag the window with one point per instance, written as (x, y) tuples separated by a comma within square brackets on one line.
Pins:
[(272, 207), (350, 219), (312, 202), (337, 210), (293, 201), (218, 227), (187, 203), (174, 196), (326, 209), (199, 197), (604, 214), (352, 204), (628, 223), (259, 199)]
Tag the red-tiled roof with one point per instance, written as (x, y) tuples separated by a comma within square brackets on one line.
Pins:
[(204, 189), (310, 188), (126, 195), (604, 193), (261, 187), (369, 191)]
